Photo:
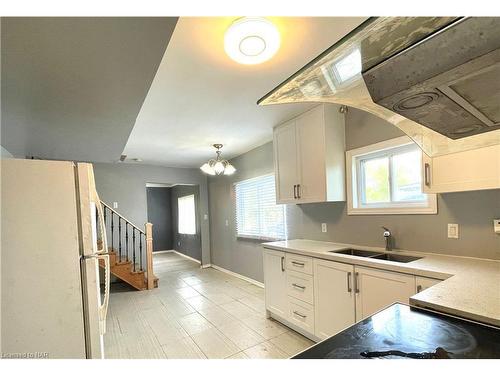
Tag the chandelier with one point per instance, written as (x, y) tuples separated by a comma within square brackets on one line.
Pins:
[(218, 165)]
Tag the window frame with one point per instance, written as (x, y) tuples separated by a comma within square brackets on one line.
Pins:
[(179, 215), (235, 212), (355, 189)]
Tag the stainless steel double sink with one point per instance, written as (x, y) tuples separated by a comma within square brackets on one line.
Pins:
[(375, 255)]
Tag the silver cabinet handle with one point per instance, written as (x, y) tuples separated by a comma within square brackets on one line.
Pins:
[(299, 286), (349, 288), (282, 264), (298, 191), (294, 191), (299, 314), (356, 286), (419, 288), (427, 174), (298, 264)]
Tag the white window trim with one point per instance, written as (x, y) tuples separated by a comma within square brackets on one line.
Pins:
[(395, 209), (257, 238)]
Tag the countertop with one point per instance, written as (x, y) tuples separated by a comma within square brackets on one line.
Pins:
[(470, 286), (411, 330)]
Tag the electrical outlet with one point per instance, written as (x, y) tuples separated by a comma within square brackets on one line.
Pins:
[(496, 226), (115, 204), (205, 217), (324, 229), (452, 230), (227, 223)]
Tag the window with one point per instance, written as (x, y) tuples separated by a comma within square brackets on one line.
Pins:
[(187, 215), (386, 178), (257, 214)]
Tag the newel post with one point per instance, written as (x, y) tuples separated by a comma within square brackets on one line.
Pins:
[(149, 255)]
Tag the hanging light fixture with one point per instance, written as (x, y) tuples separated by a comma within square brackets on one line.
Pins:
[(218, 165)]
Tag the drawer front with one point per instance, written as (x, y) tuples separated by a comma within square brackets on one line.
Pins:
[(300, 286), (299, 263), (301, 314)]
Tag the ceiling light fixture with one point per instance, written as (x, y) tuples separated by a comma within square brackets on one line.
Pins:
[(218, 165), (251, 40)]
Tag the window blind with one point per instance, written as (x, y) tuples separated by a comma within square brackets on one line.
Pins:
[(187, 215), (257, 214)]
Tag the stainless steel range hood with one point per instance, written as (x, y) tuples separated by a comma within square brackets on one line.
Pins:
[(435, 78)]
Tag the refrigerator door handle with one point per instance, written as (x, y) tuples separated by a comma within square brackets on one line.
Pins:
[(103, 309)]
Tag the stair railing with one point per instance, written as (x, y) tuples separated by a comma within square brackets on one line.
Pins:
[(130, 241)]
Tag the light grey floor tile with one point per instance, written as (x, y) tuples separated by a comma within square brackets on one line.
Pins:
[(266, 350), (214, 344), (239, 310), (291, 343), (240, 355), (185, 348), (241, 335), (194, 323), (265, 327)]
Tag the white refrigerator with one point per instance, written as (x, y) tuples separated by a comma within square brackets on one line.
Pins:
[(52, 305)]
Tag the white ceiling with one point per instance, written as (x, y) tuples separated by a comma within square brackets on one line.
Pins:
[(199, 96)]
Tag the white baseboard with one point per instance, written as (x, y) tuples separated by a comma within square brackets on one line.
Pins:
[(206, 265), (162, 251), (178, 253), (251, 281)]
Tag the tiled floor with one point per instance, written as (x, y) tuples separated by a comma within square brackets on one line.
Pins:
[(195, 313)]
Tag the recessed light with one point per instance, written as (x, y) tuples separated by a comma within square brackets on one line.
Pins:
[(251, 40)]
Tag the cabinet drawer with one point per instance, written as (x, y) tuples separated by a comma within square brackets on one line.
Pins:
[(299, 263), (300, 286), (301, 314)]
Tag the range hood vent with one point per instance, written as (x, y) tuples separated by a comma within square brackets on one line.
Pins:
[(435, 78)]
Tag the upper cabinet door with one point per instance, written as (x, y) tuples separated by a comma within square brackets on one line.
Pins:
[(477, 169), (311, 151), (285, 162)]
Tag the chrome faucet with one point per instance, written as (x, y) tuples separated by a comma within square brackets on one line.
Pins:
[(388, 239)]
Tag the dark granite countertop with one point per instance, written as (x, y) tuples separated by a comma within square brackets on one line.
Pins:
[(409, 329)]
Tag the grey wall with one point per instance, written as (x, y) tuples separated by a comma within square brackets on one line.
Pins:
[(187, 244), (160, 214), (473, 211), (126, 184)]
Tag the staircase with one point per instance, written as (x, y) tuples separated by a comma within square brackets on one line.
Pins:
[(130, 248)]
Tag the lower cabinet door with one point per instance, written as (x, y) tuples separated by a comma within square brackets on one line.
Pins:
[(377, 289), (425, 282), (333, 297), (275, 282), (301, 314)]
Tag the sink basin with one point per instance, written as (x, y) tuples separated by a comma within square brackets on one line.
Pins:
[(396, 258), (357, 253)]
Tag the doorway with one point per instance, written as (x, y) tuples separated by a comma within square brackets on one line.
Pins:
[(173, 209)]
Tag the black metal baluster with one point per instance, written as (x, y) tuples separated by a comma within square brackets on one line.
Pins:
[(133, 256), (140, 248), (133, 242), (97, 222), (120, 238), (112, 231), (126, 238)]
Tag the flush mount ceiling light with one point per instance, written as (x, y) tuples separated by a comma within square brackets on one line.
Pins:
[(251, 40), (218, 165)]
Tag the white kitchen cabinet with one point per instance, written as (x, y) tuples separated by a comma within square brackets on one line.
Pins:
[(477, 169), (285, 162), (376, 289), (301, 314), (309, 156), (275, 282), (334, 303), (422, 283)]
